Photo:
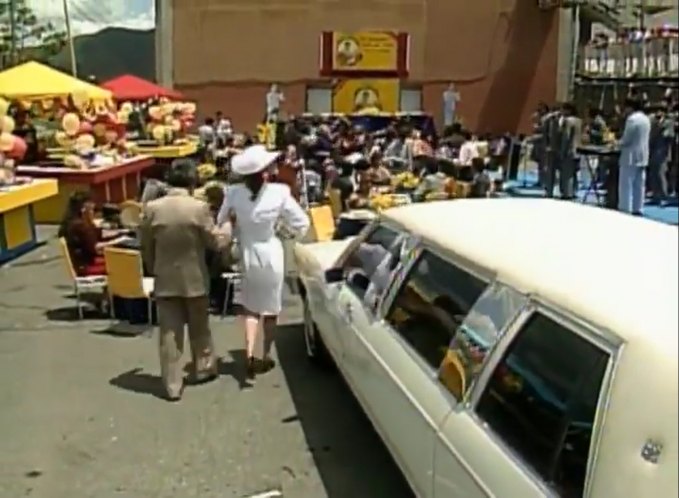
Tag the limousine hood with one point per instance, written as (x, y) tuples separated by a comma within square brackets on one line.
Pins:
[(319, 256)]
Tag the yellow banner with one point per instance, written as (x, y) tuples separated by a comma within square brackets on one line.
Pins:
[(365, 51), (366, 96)]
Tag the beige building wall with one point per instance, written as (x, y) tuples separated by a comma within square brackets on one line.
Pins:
[(503, 54)]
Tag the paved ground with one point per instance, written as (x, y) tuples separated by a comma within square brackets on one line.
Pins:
[(80, 416)]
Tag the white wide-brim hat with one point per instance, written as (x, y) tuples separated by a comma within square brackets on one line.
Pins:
[(252, 160)]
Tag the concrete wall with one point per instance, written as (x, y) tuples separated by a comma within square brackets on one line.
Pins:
[(503, 54)]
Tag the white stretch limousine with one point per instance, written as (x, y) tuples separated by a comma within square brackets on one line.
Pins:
[(507, 348)]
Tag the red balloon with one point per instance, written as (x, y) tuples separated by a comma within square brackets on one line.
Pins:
[(18, 149)]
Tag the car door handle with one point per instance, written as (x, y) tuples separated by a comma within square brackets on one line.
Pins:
[(348, 311)]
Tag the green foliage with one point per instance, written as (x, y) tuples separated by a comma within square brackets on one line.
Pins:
[(34, 39)]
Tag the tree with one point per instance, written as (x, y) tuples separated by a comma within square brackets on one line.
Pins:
[(34, 39)]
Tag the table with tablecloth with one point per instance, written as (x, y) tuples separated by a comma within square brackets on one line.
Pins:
[(106, 184), (17, 218)]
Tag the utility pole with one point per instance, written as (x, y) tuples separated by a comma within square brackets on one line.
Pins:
[(13, 32), (71, 45)]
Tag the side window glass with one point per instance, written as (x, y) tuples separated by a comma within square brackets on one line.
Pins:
[(541, 401), (434, 299), (362, 263), (497, 307)]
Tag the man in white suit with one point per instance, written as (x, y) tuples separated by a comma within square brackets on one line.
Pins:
[(633, 158)]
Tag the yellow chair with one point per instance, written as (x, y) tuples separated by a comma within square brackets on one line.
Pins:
[(130, 214), (335, 199), (452, 375), (81, 285), (126, 277), (323, 223)]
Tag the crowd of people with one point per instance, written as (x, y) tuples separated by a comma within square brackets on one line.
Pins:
[(636, 146), (330, 152)]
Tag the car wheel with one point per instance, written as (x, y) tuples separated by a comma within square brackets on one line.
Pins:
[(315, 349)]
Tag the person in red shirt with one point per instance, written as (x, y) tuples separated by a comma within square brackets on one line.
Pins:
[(82, 236)]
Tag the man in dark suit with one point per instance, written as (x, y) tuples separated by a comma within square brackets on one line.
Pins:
[(551, 139), (570, 141)]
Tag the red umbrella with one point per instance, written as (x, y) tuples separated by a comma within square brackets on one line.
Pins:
[(129, 87)]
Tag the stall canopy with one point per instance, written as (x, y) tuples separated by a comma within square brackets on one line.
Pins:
[(128, 87), (33, 81)]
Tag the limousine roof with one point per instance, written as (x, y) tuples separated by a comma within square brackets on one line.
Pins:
[(612, 269)]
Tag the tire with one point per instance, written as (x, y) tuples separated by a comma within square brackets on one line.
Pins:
[(315, 348)]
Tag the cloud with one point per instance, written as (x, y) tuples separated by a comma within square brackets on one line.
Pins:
[(90, 16)]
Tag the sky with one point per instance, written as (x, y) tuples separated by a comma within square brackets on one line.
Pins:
[(90, 16)]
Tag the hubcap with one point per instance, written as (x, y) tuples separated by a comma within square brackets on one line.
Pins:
[(308, 331)]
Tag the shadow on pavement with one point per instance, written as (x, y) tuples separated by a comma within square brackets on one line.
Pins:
[(137, 381), (235, 368), (350, 457), (70, 314)]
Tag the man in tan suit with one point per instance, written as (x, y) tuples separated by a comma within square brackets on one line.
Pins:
[(176, 231)]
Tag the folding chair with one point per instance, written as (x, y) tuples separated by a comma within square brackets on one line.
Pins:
[(126, 277), (231, 279), (322, 222), (81, 285), (335, 202)]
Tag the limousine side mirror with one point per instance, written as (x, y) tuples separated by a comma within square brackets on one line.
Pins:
[(334, 275)]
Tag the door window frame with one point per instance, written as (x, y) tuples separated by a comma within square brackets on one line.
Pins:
[(368, 230), (450, 257), (601, 338)]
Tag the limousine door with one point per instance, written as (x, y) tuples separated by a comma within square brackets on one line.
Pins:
[(525, 430), (394, 366)]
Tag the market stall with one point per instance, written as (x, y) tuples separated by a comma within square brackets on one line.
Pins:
[(131, 88), (159, 129), (82, 141), (108, 184), (17, 215)]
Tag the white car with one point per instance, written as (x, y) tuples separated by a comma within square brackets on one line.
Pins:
[(507, 348)]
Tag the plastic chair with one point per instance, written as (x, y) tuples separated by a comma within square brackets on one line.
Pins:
[(231, 279), (92, 283), (335, 199), (126, 277), (323, 222), (130, 214)]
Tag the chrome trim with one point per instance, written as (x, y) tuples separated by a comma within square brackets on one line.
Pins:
[(400, 275), (600, 418), (511, 456), (460, 459), (466, 264), (609, 339), (651, 451), (495, 355), (375, 314)]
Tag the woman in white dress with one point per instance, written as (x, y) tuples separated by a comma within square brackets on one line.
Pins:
[(256, 207)]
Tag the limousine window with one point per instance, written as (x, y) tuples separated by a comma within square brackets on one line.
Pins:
[(433, 301), (367, 256), (475, 338), (542, 398)]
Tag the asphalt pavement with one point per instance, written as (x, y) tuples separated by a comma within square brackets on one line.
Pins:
[(81, 414)]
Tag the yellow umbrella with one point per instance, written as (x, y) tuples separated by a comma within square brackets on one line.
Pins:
[(35, 81)]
